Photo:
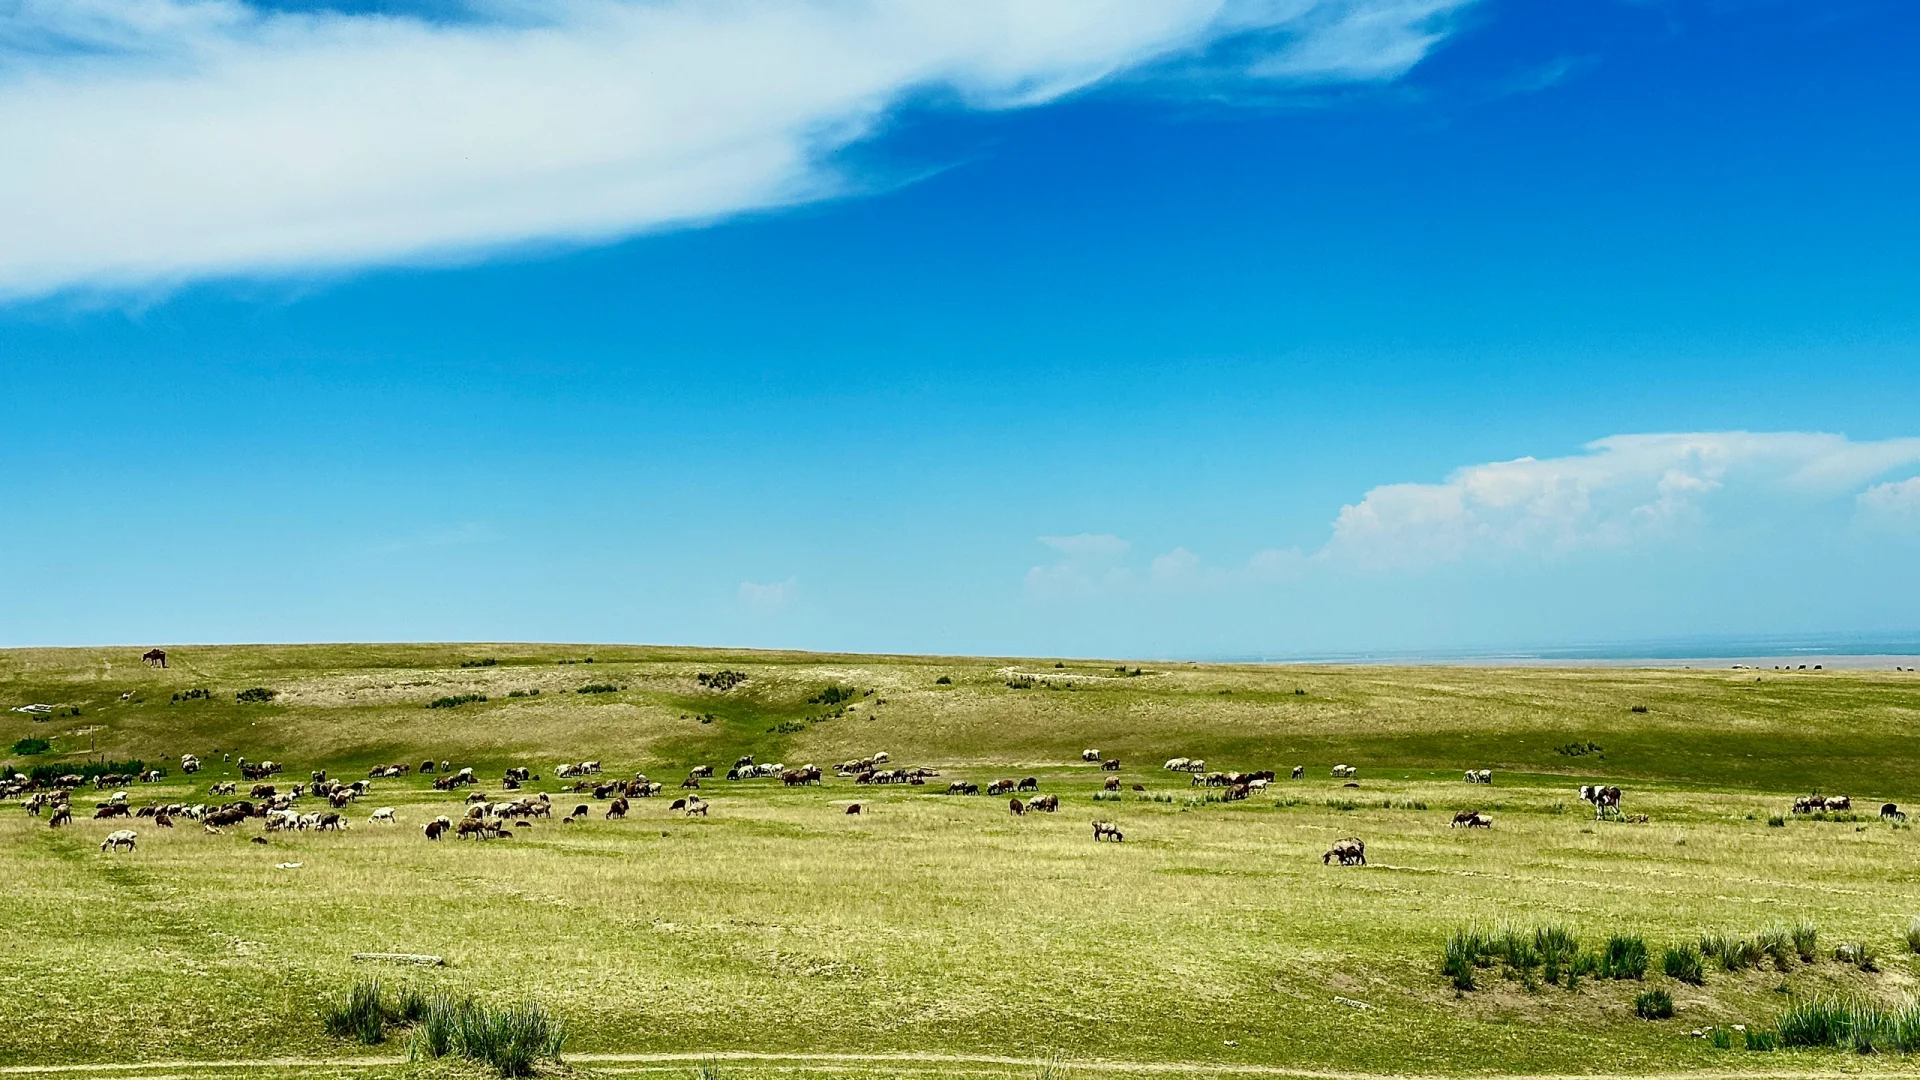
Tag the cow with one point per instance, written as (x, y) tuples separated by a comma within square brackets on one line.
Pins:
[(1603, 798), (1089, 755), (117, 839), (385, 814), (1048, 803), (1113, 783), (154, 657), (1351, 851), (1107, 830), (1031, 783), (1111, 765)]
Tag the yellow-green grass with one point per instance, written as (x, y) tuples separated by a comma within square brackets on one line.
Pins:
[(943, 925)]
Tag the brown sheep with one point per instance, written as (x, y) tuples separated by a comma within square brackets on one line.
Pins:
[(1017, 807), (1113, 783)]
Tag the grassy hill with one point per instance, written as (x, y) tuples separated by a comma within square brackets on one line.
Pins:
[(1214, 937)]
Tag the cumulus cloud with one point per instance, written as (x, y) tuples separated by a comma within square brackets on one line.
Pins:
[(1623, 490), (1894, 505), (161, 140)]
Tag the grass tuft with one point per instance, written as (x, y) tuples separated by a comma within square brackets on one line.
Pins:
[(1655, 1004), (1625, 957), (511, 1040), (1684, 963)]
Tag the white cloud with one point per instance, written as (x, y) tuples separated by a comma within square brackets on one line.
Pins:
[(1893, 505), (1623, 490), (767, 597), (1089, 565), (160, 140), (1088, 545)]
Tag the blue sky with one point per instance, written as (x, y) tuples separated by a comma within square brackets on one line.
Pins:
[(1176, 328)]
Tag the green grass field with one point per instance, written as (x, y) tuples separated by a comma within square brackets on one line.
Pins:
[(939, 935)]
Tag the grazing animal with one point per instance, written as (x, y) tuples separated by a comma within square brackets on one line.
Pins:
[(1139, 787), (853, 808), (1017, 807), (189, 763), (617, 809), (329, 820), (1839, 802), (1089, 755), (1891, 812), (385, 814), (62, 815), (1111, 765), (155, 656), (1048, 803), (1479, 776), (699, 771), (1113, 783), (696, 806), (1031, 783), (1178, 764), (117, 839), (1603, 798), (1107, 830), (258, 840), (1299, 771), (1000, 787), (1472, 819), (690, 782), (1351, 851), (426, 766), (1345, 772), (433, 829), (163, 819), (962, 787)]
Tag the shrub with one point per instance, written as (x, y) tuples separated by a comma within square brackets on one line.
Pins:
[(722, 680), (832, 695), (256, 695), (787, 727), (1683, 962), (1022, 683), (190, 695), (1806, 941), (1625, 957), (1653, 1004), (511, 1039), (32, 746), (486, 662), (455, 702), (598, 688), (1777, 821), (523, 693)]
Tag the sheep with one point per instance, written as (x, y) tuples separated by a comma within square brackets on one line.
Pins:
[(1031, 783), (853, 808), (1350, 851), (1345, 772), (1111, 765), (1113, 783), (1017, 807), (1089, 755), (385, 814), (1107, 830), (1048, 803), (117, 839)]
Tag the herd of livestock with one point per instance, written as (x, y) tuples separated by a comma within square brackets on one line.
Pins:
[(278, 805)]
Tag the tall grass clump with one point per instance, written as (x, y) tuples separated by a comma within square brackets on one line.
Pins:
[(1859, 954), (1778, 947), (1625, 957), (1734, 953), (1684, 963), (1653, 1004), (511, 1039), (1913, 935), (1558, 949), (1863, 1027), (357, 1014), (1806, 941)]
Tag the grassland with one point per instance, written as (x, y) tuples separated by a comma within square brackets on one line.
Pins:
[(941, 935)]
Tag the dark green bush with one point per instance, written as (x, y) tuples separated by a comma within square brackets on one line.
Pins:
[(485, 662), (944, 680), (598, 688), (256, 695), (1806, 941), (511, 1040), (32, 746)]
